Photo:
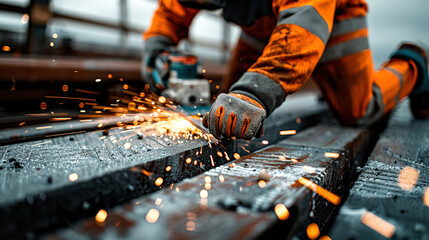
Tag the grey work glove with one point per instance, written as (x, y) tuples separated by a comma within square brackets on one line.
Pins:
[(235, 115), (155, 48)]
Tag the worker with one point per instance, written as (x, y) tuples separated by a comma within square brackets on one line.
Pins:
[(282, 44)]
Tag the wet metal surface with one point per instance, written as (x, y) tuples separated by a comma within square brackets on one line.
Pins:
[(230, 202), (393, 185), (54, 181)]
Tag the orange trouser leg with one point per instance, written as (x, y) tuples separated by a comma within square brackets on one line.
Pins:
[(358, 94)]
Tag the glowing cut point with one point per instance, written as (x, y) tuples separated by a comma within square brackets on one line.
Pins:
[(152, 216), (378, 224), (407, 178), (313, 231), (73, 177), (204, 194), (101, 216), (332, 155), (288, 132), (281, 211)]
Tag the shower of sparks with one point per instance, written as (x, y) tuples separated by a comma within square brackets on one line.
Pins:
[(331, 197), (407, 178), (332, 155), (101, 216), (152, 216), (288, 132), (313, 231), (281, 211), (378, 224)]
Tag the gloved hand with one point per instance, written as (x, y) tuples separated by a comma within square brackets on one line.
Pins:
[(156, 51), (235, 115)]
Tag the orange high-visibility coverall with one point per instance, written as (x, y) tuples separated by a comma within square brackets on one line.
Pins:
[(278, 53)]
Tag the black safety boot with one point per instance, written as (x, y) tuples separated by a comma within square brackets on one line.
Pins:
[(419, 97)]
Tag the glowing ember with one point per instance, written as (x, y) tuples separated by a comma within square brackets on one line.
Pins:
[(98, 80), (426, 197), (158, 201), (190, 226), (325, 238), (81, 105), (159, 181), (293, 160), (127, 145), (219, 154), (152, 216), (101, 216), (231, 165), (162, 99), (281, 211), (43, 105), (188, 160), (333, 198), (73, 177), (51, 44), (265, 142), (378, 224), (313, 231), (100, 125), (207, 179), (125, 86), (227, 157), (262, 183), (208, 186), (168, 168), (237, 156), (308, 169), (407, 178), (24, 19), (283, 158), (204, 193), (65, 88), (288, 132), (332, 155), (109, 76), (54, 35), (222, 179), (212, 161)]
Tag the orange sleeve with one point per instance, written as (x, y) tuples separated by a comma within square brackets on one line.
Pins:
[(297, 42), (171, 20)]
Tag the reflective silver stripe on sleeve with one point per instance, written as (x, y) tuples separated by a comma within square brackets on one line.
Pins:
[(257, 43), (375, 108), (156, 43), (306, 17), (401, 80), (344, 49), (348, 26)]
